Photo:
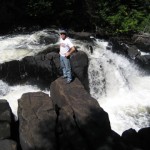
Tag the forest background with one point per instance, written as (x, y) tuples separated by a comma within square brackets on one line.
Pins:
[(108, 16)]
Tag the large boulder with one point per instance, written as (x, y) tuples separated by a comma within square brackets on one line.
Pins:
[(36, 122), (79, 63), (5, 120), (144, 136), (81, 123), (131, 138), (7, 129), (137, 140), (43, 66), (69, 119), (40, 67), (43, 69), (8, 145)]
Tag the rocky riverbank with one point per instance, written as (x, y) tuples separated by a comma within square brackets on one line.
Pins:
[(70, 119)]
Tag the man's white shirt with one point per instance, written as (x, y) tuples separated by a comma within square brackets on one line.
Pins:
[(65, 46)]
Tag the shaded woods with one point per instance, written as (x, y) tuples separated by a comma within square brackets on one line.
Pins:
[(117, 16)]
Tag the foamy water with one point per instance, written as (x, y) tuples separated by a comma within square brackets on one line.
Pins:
[(121, 89), (13, 93), (17, 47)]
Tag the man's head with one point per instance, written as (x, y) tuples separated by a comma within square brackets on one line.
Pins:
[(63, 34)]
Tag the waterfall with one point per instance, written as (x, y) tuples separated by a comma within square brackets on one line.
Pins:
[(16, 47), (13, 93), (121, 89)]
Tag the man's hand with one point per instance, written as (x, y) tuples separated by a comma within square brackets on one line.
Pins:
[(67, 54), (72, 49)]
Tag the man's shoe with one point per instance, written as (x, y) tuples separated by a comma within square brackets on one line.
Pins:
[(68, 81), (64, 77)]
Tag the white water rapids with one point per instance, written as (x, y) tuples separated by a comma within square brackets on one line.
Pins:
[(120, 88)]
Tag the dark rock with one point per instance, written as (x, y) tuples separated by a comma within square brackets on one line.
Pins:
[(81, 35), (5, 111), (10, 71), (54, 59), (5, 120), (43, 68), (133, 52), (144, 135), (142, 41), (131, 138), (131, 48), (79, 64), (8, 145), (71, 120), (118, 46), (36, 122), (81, 121), (4, 130), (144, 59), (51, 39), (38, 67), (144, 63)]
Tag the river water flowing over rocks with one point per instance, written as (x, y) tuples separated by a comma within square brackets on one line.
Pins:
[(120, 87)]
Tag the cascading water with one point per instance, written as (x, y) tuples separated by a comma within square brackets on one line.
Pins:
[(13, 93), (16, 47), (120, 88)]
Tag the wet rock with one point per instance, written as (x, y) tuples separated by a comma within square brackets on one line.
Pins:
[(79, 63), (142, 41), (37, 122), (144, 135), (43, 69), (133, 52), (8, 145), (79, 116), (131, 138), (5, 120)]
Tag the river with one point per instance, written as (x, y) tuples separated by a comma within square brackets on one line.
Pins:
[(119, 86)]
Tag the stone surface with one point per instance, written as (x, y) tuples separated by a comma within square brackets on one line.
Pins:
[(8, 145), (79, 63), (36, 122), (79, 116), (144, 136), (5, 111), (4, 130), (42, 69), (5, 120), (142, 41)]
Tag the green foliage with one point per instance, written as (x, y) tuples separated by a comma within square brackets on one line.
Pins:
[(145, 25), (125, 21), (124, 16), (120, 16), (39, 8)]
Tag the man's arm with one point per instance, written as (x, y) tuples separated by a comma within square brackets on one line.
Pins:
[(72, 49)]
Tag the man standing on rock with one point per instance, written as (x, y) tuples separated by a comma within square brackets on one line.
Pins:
[(66, 49)]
